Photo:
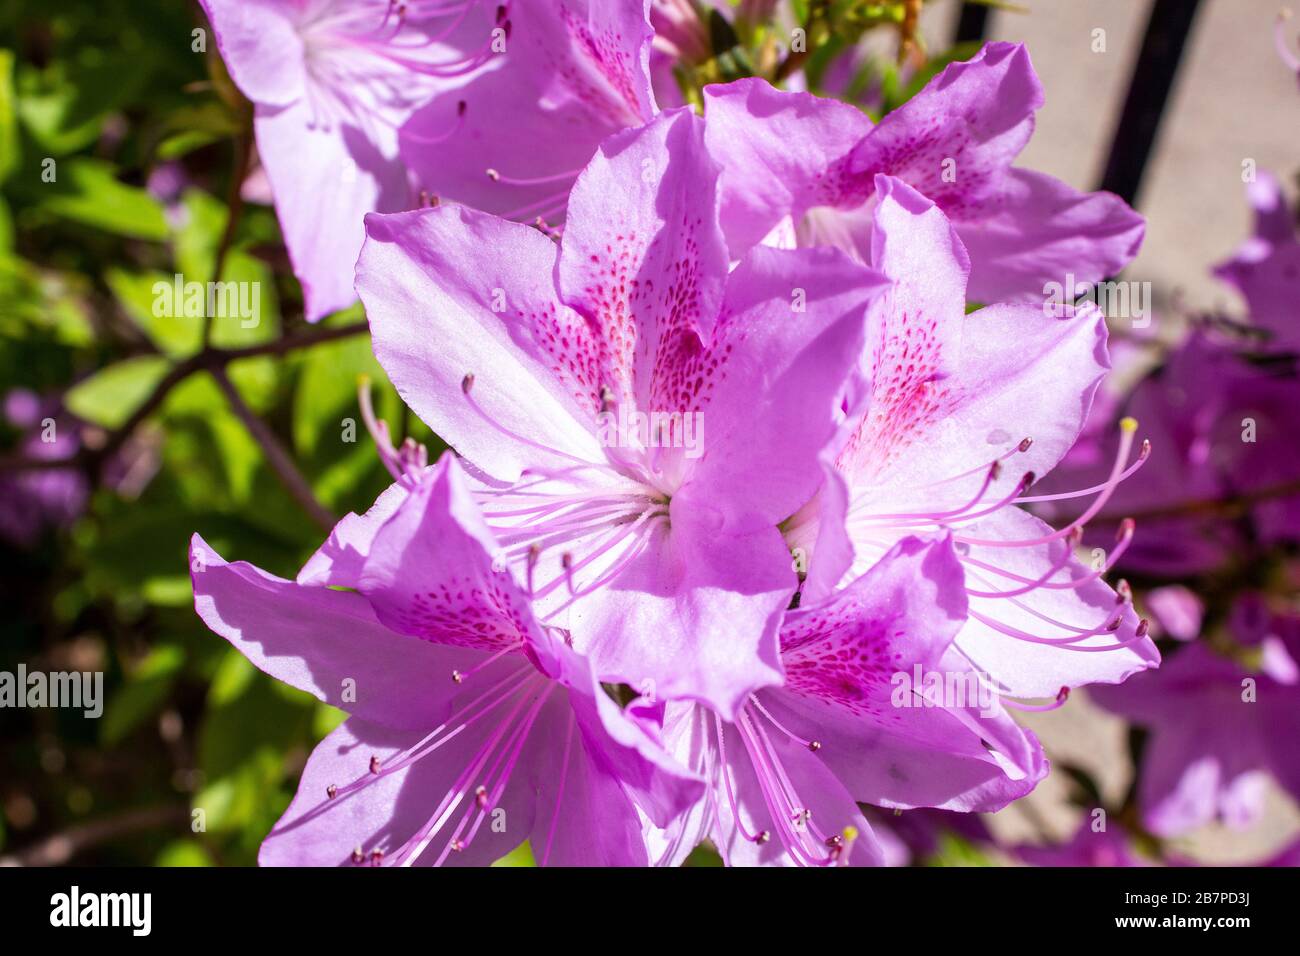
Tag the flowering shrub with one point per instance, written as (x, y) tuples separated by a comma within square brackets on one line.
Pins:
[(733, 449)]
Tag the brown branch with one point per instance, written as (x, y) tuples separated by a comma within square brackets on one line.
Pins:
[(792, 62), (276, 454), (58, 849), (291, 342), (796, 58), (908, 31), (93, 459), (215, 361)]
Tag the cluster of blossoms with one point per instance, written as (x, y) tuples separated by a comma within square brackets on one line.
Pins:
[(1216, 566), (738, 465)]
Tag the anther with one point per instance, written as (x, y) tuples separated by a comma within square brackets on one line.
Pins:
[(493, 175), (375, 856), (814, 745), (374, 764), (1123, 592), (467, 382), (1024, 444), (331, 791), (358, 856), (481, 797), (761, 837), (1143, 626), (566, 562), (457, 677), (534, 555), (457, 845)]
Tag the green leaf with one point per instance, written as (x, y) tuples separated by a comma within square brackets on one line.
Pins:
[(199, 402), (144, 693), (248, 311), (895, 95), (327, 391), (325, 720), (703, 856), (202, 221), (179, 144), (954, 850), (247, 730), (9, 148), (232, 678), (6, 231), (109, 396), (87, 191), (168, 590), (184, 853), (64, 106), (239, 798), (522, 855), (32, 299), (142, 296)]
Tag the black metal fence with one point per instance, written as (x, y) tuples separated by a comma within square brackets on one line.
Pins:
[(1154, 72)]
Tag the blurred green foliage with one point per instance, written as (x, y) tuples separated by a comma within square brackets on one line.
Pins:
[(117, 145)]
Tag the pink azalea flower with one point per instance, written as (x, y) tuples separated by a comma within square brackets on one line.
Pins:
[(574, 72), (812, 164), (657, 545), (34, 501), (959, 414), (1110, 847), (1217, 732), (1266, 269), (1271, 629), (472, 727), (331, 82), (1220, 428), (785, 776), (1178, 611)]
